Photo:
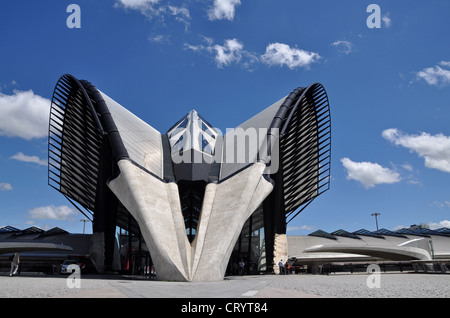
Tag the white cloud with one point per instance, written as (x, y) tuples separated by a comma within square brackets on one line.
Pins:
[(24, 115), (195, 48), (141, 5), (34, 159), (181, 15), (434, 226), (408, 167), (223, 9), (159, 38), (51, 212), (153, 8), (282, 54), (300, 228), (343, 46), (434, 149), (5, 186), (437, 75), (441, 204), (431, 225), (230, 52), (368, 173), (387, 20), (233, 52)]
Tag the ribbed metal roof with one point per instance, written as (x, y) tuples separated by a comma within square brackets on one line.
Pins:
[(8, 229), (365, 232), (387, 232), (344, 233), (321, 233)]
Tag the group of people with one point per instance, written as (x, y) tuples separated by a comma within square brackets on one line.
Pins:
[(285, 268), (238, 268)]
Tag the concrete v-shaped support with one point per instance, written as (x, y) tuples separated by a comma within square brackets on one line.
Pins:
[(155, 205)]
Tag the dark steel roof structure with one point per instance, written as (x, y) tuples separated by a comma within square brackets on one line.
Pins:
[(365, 232), (412, 232), (321, 233), (74, 144), (443, 230), (389, 233), (344, 233), (305, 146), (381, 233), (8, 229)]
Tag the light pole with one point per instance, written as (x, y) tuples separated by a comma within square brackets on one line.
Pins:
[(376, 218), (84, 223)]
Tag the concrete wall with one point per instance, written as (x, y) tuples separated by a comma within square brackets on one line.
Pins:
[(156, 207), (298, 244)]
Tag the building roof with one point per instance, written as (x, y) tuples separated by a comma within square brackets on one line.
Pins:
[(8, 229), (36, 240), (33, 230), (444, 230), (383, 244), (386, 232), (321, 233), (12, 247), (381, 233), (344, 233), (416, 232), (53, 231), (300, 124), (365, 232)]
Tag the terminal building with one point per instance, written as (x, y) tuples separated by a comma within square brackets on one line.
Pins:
[(407, 248), (320, 252), (44, 250), (195, 200), (191, 203)]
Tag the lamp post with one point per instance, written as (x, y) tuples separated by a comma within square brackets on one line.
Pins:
[(376, 218), (84, 223)]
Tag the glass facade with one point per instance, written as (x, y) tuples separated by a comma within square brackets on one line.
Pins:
[(134, 256), (250, 247)]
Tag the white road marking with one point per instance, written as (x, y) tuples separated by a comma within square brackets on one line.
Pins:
[(250, 293)]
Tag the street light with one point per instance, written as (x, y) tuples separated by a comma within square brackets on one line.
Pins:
[(84, 223), (376, 218)]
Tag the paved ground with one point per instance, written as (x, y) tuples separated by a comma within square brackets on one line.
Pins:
[(400, 285)]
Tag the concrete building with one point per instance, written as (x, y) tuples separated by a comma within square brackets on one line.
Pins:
[(198, 198), (411, 247), (44, 250)]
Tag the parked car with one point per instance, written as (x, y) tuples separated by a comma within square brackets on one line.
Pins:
[(67, 269)]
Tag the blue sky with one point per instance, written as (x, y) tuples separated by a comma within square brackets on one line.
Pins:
[(389, 91)]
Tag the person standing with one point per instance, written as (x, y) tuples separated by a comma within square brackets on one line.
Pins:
[(241, 267), (281, 266), (15, 260)]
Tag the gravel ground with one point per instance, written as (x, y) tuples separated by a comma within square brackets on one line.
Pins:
[(42, 286), (396, 285)]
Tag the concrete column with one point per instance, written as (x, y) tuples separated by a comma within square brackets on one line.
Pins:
[(280, 251), (156, 207)]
